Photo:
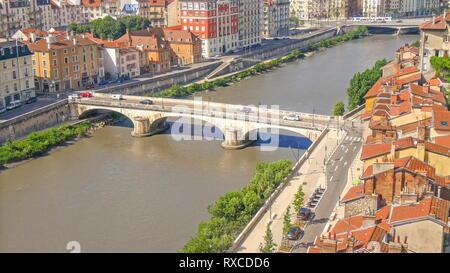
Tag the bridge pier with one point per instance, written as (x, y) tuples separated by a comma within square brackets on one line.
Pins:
[(234, 139), (145, 127)]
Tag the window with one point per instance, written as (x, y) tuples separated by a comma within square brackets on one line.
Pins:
[(66, 60), (55, 73), (55, 62), (75, 59), (14, 76), (65, 51), (444, 123), (27, 84), (45, 73), (54, 53), (44, 63), (75, 68)]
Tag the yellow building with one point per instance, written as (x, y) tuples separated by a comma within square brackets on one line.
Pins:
[(433, 154), (64, 62)]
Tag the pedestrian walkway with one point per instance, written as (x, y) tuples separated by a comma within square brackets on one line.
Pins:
[(311, 175)]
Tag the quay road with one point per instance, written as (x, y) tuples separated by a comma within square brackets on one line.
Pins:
[(337, 168)]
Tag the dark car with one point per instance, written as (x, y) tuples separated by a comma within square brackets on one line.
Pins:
[(294, 233), (31, 100), (90, 86), (304, 214), (104, 82), (147, 102)]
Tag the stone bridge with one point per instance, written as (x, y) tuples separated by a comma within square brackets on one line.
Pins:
[(239, 128)]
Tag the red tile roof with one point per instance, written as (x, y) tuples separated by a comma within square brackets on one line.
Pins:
[(437, 23), (443, 140), (441, 120), (353, 193), (431, 206)]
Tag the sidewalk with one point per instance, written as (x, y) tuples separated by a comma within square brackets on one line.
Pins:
[(310, 176)]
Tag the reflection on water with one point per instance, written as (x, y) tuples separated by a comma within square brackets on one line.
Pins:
[(116, 193)]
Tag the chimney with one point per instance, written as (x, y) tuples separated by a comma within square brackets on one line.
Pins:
[(50, 40), (33, 37), (369, 220), (420, 151), (434, 19), (350, 244), (422, 132)]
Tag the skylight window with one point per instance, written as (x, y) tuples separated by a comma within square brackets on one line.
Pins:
[(444, 123)]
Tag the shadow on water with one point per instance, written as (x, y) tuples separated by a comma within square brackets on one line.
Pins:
[(208, 132)]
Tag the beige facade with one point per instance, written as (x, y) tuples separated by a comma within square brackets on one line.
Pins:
[(18, 14), (64, 13), (251, 22), (16, 76), (425, 236), (276, 18)]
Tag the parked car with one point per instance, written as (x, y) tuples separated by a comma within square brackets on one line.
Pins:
[(104, 82), (74, 96), (295, 233), (13, 104), (304, 214), (292, 117), (244, 109), (2, 109), (31, 100), (147, 102), (86, 95), (117, 97), (90, 86), (399, 21)]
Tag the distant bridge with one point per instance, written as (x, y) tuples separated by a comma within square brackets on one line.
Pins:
[(239, 128)]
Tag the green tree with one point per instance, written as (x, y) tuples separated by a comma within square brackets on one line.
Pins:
[(416, 44), (339, 108), (299, 198), (269, 245), (287, 224)]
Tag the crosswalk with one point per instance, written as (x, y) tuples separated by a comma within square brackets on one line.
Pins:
[(352, 139)]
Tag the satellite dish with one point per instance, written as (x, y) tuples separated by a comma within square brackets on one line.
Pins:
[(374, 247)]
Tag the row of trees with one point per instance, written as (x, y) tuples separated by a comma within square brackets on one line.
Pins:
[(232, 211), (109, 28), (177, 91), (442, 66), (360, 84), (37, 143)]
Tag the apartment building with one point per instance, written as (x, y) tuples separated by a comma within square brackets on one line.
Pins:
[(276, 18), (161, 13), (94, 9), (216, 23), (336, 9), (63, 62), (65, 12), (16, 76), (251, 22), (18, 14), (120, 60), (434, 41)]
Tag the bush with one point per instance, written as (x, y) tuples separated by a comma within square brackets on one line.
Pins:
[(37, 143), (232, 211)]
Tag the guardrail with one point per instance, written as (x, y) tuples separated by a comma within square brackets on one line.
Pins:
[(248, 228), (354, 111)]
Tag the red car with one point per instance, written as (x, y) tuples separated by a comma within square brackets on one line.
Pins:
[(86, 95)]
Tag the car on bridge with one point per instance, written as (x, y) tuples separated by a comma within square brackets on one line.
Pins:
[(146, 102), (292, 117), (31, 100), (244, 109), (74, 96), (86, 95)]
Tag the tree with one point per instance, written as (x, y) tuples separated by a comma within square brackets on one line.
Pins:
[(416, 44), (269, 245), (339, 109), (287, 224), (299, 198)]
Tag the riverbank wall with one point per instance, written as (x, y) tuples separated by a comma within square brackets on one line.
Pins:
[(37, 120), (266, 207)]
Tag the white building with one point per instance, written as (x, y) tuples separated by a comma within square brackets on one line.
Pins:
[(120, 61), (16, 72)]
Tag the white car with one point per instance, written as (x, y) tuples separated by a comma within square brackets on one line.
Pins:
[(74, 96), (244, 109), (117, 97), (292, 117), (2, 109)]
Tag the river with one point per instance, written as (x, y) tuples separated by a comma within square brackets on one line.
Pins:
[(115, 193)]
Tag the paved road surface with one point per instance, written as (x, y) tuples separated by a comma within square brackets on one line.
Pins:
[(337, 171)]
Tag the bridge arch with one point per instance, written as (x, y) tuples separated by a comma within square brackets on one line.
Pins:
[(265, 136)]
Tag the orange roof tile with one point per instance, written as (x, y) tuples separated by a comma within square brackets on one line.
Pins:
[(437, 23), (441, 120), (353, 193)]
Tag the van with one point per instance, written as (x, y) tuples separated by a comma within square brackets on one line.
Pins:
[(117, 97)]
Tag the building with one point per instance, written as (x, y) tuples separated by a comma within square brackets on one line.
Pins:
[(64, 62), (420, 227), (65, 12), (160, 13), (94, 9), (16, 74), (175, 47), (251, 22), (18, 14), (336, 9), (276, 18), (120, 60), (214, 22), (434, 41)]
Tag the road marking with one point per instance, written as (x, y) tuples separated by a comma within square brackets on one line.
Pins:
[(345, 163), (331, 178), (335, 169), (346, 150), (354, 147)]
